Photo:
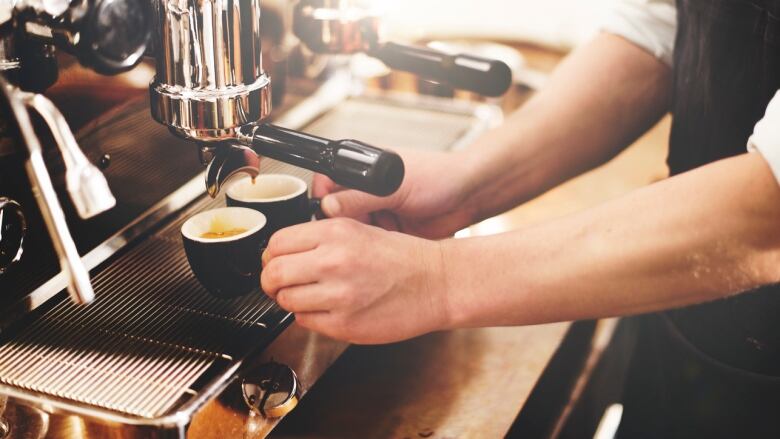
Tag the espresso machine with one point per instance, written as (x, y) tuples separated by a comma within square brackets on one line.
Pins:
[(103, 329)]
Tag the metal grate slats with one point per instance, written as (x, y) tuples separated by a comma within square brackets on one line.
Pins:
[(150, 335)]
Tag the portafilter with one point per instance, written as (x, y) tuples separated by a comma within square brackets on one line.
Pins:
[(210, 87)]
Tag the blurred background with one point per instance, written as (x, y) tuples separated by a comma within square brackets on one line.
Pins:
[(558, 24)]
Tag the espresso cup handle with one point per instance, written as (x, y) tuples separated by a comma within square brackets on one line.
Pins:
[(315, 208)]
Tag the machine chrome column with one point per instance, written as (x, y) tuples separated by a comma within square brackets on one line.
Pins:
[(210, 78)]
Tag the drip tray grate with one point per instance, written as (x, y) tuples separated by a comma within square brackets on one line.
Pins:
[(152, 333)]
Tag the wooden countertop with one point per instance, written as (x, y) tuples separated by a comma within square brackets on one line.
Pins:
[(467, 383)]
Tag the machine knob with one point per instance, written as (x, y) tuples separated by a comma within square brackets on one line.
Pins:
[(12, 231), (272, 391), (109, 36)]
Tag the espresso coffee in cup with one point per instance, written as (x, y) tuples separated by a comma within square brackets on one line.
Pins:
[(283, 199), (224, 248)]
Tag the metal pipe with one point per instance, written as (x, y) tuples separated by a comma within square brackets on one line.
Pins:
[(79, 286), (87, 186)]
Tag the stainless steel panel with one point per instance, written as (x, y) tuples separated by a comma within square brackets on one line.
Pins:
[(155, 348), (150, 335)]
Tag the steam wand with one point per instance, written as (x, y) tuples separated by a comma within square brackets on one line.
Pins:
[(86, 184)]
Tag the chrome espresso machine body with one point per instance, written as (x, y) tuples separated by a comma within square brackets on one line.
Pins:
[(103, 329)]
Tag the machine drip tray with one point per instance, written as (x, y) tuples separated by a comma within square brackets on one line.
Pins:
[(145, 345), (155, 346), (154, 338)]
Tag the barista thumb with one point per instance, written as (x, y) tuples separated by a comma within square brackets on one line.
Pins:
[(353, 204)]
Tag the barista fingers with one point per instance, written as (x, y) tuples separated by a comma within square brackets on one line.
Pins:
[(702, 235)]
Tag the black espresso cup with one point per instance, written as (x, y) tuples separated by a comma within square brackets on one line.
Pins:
[(283, 199), (227, 266)]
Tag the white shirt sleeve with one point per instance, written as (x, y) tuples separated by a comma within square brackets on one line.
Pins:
[(766, 136), (650, 24)]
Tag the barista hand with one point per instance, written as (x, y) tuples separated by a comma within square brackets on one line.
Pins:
[(430, 203), (357, 282)]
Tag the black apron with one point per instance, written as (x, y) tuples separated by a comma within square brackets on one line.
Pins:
[(713, 370)]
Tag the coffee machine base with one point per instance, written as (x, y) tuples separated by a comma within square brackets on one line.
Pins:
[(155, 355)]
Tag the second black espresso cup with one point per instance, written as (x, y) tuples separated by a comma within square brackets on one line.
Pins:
[(224, 248), (283, 199)]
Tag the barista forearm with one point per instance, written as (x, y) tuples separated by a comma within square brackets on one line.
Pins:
[(597, 102), (686, 240)]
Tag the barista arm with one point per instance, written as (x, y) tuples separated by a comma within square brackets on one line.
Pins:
[(693, 238), (598, 101)]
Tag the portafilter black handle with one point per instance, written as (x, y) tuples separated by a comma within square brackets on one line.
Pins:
[(487, 77), (349, 163)]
